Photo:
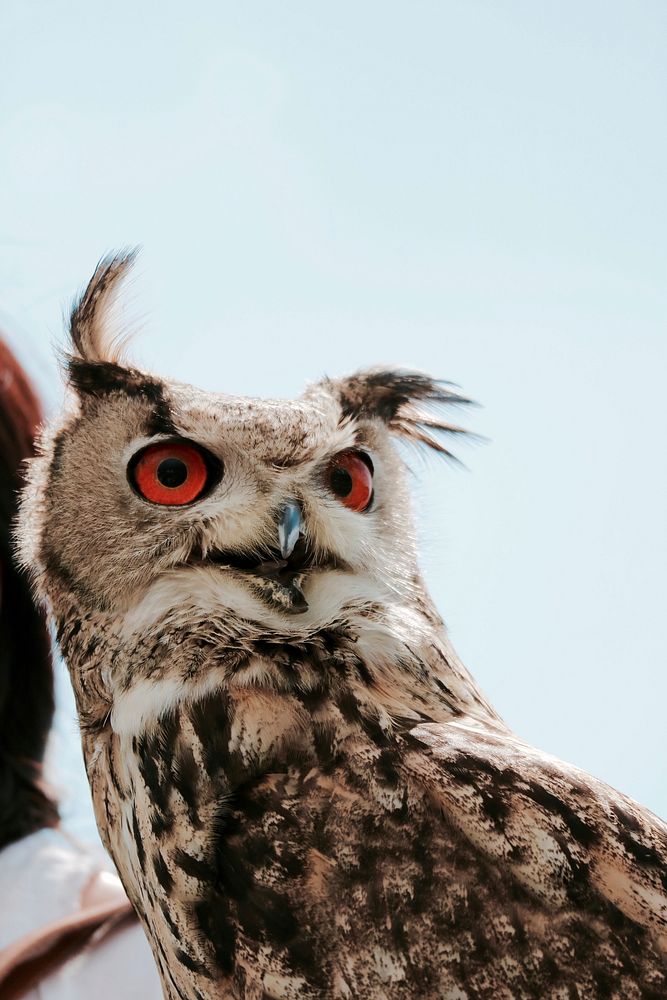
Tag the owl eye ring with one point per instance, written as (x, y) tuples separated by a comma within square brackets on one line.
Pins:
[(173, 473), (349, 476)]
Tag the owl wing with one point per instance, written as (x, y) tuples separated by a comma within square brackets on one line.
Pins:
[(458, 862), (567, 839)]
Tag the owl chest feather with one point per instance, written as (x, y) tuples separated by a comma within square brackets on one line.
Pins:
[(237, 822), (281, 840)]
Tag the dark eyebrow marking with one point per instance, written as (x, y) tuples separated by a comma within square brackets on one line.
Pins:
[(98, 379)]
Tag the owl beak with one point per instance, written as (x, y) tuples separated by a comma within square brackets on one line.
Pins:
[(289, 528)]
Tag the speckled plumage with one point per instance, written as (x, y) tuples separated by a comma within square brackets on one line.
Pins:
[(312, 803)]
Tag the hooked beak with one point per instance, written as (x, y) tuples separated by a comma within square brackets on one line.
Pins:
[(289, 528)]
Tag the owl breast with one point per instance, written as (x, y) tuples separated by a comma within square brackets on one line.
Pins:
[(278, 850)]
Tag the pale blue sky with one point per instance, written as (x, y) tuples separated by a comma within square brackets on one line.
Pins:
[(476, 189)]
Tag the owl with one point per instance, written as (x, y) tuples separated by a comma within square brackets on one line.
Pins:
[(304, 791)]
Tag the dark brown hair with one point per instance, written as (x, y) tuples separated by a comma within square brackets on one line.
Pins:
[(26, 668)]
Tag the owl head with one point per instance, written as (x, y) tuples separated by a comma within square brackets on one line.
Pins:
[(282, 510)]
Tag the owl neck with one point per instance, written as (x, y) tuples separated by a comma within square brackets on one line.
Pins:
[(395, 663)]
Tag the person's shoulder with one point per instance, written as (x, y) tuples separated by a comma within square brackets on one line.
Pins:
[(57, 888), (118, 965), (42, 878)]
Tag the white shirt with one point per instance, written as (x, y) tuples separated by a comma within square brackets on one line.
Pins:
[(42, 878)]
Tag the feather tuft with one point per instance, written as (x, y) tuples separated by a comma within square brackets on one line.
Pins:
[(408, 402), (94, 339)]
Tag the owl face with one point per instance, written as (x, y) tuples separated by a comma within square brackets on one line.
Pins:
[(285, 509)]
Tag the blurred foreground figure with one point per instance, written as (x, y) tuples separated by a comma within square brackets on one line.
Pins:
[(66, 928), (306, 794)]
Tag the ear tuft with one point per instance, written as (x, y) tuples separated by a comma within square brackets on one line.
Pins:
[(408, 403), (91, 330)]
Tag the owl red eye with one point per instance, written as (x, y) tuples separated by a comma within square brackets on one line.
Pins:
[(350, 478), (172, 473)]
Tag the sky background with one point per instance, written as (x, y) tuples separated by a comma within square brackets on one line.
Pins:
[(470, 188)]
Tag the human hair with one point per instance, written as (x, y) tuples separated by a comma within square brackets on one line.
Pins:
[(26, 666)]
